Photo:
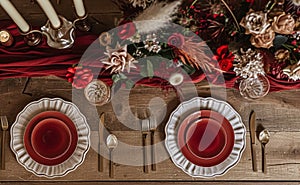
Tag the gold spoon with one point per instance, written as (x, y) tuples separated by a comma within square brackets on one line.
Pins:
[(264, 137), (111, 143)]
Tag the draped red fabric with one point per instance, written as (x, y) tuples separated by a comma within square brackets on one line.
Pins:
[(20, 60)]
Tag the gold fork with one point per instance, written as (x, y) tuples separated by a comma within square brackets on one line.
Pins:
[(145, 130), (4, 127)]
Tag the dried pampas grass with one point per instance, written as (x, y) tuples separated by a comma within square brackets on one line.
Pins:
[(156, 16), (195, 54)]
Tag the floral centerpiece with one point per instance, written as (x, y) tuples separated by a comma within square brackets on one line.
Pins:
[(248, 38)]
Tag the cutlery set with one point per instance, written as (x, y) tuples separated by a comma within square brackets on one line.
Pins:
[(4, 127), (263, 138), (148, 126), (111, 142)]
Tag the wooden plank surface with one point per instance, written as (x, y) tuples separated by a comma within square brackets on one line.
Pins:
[(279, 112), (151, 183)]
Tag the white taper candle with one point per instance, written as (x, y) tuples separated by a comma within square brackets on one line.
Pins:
[(50, 12), (79, 7), (15, 15)]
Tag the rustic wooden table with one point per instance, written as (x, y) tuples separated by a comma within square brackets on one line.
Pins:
[(278, 111)]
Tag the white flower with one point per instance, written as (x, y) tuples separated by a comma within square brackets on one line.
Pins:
[(135, 38), (250, 64), (151, 43), (118, 59)]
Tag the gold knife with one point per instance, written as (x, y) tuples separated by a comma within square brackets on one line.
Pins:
[(252, 127), (101, 141)]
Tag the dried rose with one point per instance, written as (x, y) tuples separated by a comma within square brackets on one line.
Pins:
[(126, 31), (105, 39), (118, 59), (296, 2), (79, 77), (282, 55), (264, 40), (176, 40), (255, 22), (224, 58), (284, 24)]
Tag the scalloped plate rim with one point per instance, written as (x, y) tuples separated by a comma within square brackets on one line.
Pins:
[(241, 149), (83, 154)]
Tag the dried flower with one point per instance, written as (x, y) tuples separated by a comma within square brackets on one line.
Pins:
[(126, 31), (141, 3), (282, 55), (293, 71), (296, 35), (156, 16), (264, 40), (135, 38), (250, 64), (293, 7), (284, 24), (176, 40), (151, 43), (105, 39), (79, 77), (224, 58), (118, 59), (276, 70), (185, 20), (255, 22), (194, 54), (296, 2)]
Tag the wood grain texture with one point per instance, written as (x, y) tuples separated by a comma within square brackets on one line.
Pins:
[(151, 183), (155, 182), (282, 152), (278, 111)]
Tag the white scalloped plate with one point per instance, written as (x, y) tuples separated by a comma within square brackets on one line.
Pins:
[(188, 107), (23, 118)]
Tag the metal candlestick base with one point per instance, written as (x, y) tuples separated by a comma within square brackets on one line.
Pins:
[(33, 38), (82, 24), (60, 38)]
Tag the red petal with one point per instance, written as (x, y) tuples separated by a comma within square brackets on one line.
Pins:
[(71, 70), (222, 49)]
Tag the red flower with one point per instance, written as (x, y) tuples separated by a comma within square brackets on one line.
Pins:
[(126, 30), (79, 76), (176, 40), (250, 1), (224, 58)]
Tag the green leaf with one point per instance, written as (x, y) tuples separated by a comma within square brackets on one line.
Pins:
[(150, 69), (143, 73), (129, 84), (122, 76), (147, 69), (115, 78)]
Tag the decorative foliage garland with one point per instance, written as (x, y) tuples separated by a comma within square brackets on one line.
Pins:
[(248, 37)]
